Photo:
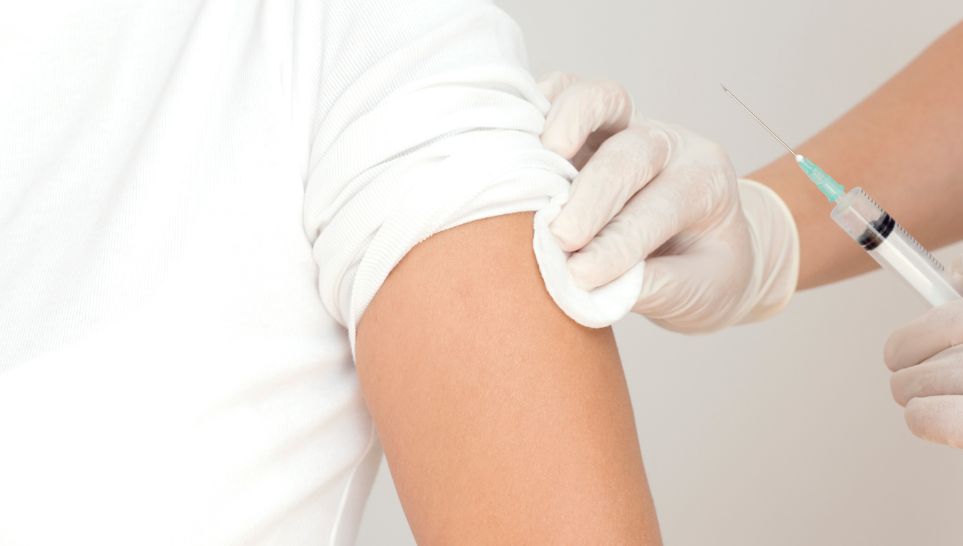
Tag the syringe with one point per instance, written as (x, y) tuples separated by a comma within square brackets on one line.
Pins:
[(875, 230)]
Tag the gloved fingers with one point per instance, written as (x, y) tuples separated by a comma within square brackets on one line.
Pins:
[(938, 329), (554, 83), (663, 292), (647, 221), (940, 375), (937, 419), (583, 108), (622, 166), (673, 287)]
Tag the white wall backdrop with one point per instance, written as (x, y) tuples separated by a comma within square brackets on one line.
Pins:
[(782, 433)]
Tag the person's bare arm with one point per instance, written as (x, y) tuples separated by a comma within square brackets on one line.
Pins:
[(503, 421), (904, 145)]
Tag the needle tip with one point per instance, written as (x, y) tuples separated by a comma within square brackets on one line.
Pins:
[(723, 86)]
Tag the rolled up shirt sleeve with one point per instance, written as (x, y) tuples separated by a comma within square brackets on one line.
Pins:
[(428, 119)]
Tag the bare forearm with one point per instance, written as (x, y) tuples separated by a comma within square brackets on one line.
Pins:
[(503, 421), (904, 145)]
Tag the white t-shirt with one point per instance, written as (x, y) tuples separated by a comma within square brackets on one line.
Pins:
[(197, 201)]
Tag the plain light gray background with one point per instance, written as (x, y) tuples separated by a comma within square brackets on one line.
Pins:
[(782, 433)]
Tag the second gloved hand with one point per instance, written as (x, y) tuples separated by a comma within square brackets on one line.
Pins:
[(718, 250), (926, 357)]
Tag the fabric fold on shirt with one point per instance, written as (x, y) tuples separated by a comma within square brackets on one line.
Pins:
[(433, 145)]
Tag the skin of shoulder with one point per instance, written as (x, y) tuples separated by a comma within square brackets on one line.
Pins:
[(503, 421)]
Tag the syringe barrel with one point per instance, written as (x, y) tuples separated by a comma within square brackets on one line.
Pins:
[(892, 247)]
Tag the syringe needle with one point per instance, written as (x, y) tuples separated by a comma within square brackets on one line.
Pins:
[(753, 114)]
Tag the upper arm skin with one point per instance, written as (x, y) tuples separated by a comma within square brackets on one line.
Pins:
[(503, 421)]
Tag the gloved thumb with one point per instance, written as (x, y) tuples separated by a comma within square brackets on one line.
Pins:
[(956, 273)]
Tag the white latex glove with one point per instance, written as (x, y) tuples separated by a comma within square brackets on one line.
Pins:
[(926, 357), (718, 251)]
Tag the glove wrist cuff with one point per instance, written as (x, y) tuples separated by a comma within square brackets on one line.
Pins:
[(776, 246)]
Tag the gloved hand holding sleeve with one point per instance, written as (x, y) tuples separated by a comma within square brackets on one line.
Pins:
[(926, 357), (717, 250)]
